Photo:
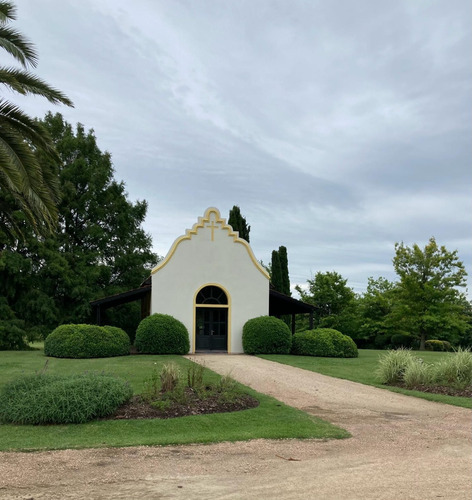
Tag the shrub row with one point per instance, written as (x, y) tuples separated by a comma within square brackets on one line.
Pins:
[(386, 340), (55, 399), (86, 341), (269, 335)]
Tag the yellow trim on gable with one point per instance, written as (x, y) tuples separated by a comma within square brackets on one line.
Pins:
[(200, 224), (195, 305)]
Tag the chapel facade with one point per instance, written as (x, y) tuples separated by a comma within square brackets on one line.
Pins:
[(211, 281)]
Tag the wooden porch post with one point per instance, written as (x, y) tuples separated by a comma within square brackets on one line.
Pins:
[(98, 315)]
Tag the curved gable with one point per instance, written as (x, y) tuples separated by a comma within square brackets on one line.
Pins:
[(211, 221)]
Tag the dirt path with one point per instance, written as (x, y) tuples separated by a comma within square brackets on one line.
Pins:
[(402, 448)]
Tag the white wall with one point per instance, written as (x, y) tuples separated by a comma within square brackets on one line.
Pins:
[(195, 260)]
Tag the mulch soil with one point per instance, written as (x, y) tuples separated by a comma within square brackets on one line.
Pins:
[(444, 390), (139, 408)]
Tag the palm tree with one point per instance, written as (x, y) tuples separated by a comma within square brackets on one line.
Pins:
[(33, 187)]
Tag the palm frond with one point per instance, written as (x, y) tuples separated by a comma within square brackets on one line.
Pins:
[(7, 12), (27, 83), (36, 201), (27, 153), (31, 130), (18, 46), (22, 174)]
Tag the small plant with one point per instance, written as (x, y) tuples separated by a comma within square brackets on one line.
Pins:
[(455, 370), (393, 364), (417, 373), (227, 389), (195, 376), (162, 404), (170, 376), (152, 385)]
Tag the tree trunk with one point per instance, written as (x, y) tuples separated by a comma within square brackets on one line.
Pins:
[(422, 341)]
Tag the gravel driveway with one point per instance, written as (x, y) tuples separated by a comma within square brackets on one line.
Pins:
[(402, 448)]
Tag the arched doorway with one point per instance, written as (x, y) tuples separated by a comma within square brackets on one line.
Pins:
[(211, 319)]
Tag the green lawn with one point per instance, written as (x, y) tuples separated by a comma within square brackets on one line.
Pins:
[(362, 369), (271, 419)]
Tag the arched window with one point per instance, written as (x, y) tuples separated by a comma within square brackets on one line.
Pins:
[(211, 295)]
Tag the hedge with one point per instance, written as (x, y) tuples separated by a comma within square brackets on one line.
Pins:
[(86, 341), (162, 334), (324, 342), (266, 335)]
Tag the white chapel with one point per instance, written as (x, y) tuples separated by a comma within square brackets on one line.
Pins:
[(211, 281)]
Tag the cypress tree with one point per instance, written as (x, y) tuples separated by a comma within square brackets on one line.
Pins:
[(284, 270), (276, 276), (238, 223)]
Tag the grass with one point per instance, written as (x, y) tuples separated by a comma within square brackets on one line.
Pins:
[(271, 419), (363, 368)]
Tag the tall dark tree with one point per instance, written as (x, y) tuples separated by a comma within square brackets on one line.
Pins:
[(276, 271), (284, 270), (238, 223), (99, 249), (428, 302), (22, 177)]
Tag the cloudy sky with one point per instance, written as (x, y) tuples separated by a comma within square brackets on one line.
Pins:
[(338, 127)]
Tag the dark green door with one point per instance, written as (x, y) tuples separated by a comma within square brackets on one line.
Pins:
[(212, 329)]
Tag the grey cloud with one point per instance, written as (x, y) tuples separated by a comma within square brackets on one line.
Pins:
[(338, 127)]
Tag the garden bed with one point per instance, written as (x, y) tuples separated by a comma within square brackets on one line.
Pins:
[(440, 389), (139, 408)]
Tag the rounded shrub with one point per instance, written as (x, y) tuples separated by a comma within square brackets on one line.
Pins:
[(437, 345), (266, 335), (324, 342), (62, 399), (86, 341), (162, 334)]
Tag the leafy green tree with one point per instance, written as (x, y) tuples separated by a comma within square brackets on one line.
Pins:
[(374, 308), (329, 293), (238, 223), (99, 248), (428, 301), (336, 303), (465, 339), (31, 187)]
